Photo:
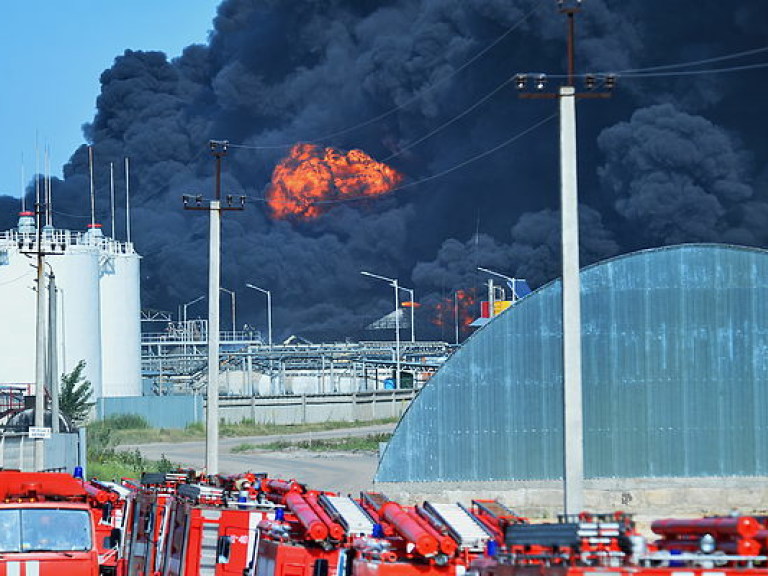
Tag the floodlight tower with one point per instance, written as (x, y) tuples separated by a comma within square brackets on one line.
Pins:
[(573, 421), (214, 208)]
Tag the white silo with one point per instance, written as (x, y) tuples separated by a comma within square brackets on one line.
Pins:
[(79, 321), (17, 304), (120, 320), (98, 307)]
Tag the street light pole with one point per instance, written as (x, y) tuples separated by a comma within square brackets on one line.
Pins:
[(509, 279), (412, 306), (269, 310), (232, 301), (184, 308), (394, 284)]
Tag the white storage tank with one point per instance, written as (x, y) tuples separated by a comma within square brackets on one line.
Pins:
[(98, 308), (120, 320), (79, 313), (17, 306)]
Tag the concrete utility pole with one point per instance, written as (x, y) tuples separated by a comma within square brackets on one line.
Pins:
[(42, 363), (214, 208), (39, 451), (53, 365), (573, 421)]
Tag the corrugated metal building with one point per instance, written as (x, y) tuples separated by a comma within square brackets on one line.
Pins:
[(675, 367)]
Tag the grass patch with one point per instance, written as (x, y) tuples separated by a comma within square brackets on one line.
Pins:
[(368, 443), (196, 431), (108, 463)]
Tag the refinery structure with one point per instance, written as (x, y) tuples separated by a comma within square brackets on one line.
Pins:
[(94, 309)]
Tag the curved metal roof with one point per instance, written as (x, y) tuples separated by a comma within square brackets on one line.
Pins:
[(674, 371)]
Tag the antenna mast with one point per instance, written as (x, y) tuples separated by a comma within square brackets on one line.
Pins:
[(127, 204), (23, 191), (93, 194), (112, 195), (48, 185)]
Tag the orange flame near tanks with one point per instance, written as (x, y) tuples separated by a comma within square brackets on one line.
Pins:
[(311, 176), (445, 311)]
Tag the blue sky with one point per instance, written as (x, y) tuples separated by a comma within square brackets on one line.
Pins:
[(52, 55)]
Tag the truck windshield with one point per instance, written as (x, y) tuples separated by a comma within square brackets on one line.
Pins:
[(44, 530)]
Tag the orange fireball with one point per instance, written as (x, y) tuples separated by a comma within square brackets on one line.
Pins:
[(311, 177), (445, 311)]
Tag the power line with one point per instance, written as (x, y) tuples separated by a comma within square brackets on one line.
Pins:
[(444, 125), (408, 102), (682, 73), (661, 70), (440, 174), (697, 62)]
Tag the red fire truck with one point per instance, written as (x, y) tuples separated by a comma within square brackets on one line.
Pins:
[(46, 526), (179, 525)]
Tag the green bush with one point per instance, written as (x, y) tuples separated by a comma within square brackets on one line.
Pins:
[(125, 422)]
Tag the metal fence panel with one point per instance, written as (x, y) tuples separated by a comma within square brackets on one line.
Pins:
[(675, 360), (159, 411), (62, 452)]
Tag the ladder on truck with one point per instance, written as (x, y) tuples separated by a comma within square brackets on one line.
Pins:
[(463, 527), (348, 513)]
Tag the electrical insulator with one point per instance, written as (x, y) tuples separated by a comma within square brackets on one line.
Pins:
[(590, 81), (520, 81), (610, 82), (541, 82)]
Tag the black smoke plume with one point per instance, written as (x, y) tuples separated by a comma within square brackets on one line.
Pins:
[(668, 159)]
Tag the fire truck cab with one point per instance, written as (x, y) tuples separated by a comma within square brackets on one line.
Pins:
[(46, 526)]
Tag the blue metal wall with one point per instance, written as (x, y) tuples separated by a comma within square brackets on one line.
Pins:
[(675, 366), (160, 411)]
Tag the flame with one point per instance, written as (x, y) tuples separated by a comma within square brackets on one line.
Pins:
[(310, 176), (445, 311), (409, 304)]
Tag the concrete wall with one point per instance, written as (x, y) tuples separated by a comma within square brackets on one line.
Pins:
[(245, 383), (645, 498), (308, 408), (179, 411)]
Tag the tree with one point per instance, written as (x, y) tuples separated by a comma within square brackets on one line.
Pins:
[(74, 399)]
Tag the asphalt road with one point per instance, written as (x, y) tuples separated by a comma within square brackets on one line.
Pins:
[(343, 472)]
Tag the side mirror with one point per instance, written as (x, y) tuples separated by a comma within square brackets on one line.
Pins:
[(114, 538)]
